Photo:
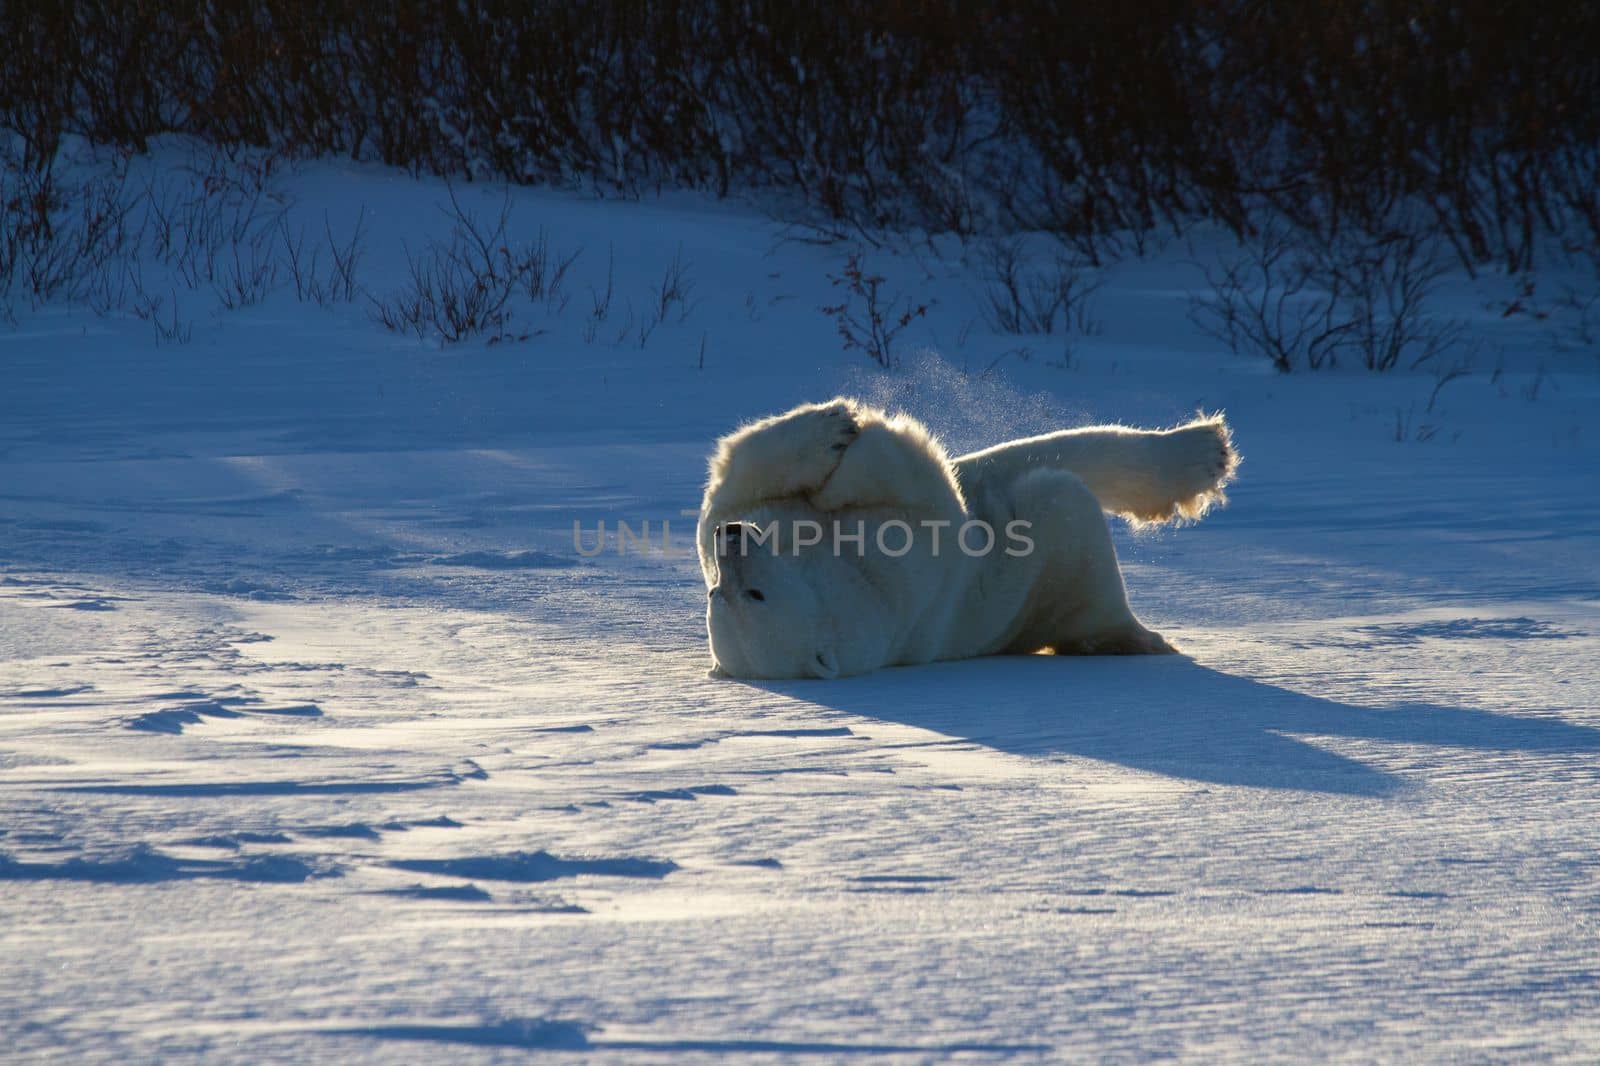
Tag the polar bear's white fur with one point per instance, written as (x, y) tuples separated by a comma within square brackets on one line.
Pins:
[(828, 537)]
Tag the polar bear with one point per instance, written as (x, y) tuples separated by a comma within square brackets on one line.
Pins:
[(837, 538)]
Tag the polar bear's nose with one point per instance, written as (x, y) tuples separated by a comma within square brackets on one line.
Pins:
[(732, 530)]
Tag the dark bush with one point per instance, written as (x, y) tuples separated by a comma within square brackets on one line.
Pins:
[(1102, 123)]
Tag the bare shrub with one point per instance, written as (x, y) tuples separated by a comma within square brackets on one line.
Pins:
[(65, 238), (343, 258), (165, 317), (669, 301), (1444, 376), (1304, 302), (462, 287), (249, 275), (547, 272), (1267, 301), (672, 296), (1023, 300), (450, 296), (868, 318), (1386, 285), (75, 227), (600, 299), (203, 215), (1410, 426), (336, 283)]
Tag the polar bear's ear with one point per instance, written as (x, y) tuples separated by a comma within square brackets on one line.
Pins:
[(825, 663)]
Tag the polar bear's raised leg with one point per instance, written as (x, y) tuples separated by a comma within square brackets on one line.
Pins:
[(782, 457), (787, 455), (1144, 475), (894, 463), (1078, 604), (837, 456)]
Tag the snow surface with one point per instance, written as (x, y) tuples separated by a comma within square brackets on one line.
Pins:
[(319, 740)]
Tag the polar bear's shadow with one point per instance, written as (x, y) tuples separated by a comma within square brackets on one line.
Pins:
[(1170, 715)]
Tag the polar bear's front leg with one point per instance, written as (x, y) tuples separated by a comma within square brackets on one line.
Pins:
[(783, 457), (787, 455), (894, 463)]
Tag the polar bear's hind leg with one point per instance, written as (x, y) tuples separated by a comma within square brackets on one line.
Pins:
[(1080, 606), (1132, 640), (1147, 476), (1193, 464)]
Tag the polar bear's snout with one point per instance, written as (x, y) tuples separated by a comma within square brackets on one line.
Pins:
[(730, 560), (764, 616)]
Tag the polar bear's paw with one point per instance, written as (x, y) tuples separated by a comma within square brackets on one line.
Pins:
[(1133, 639), (1194, 463), (788, 455), (814, 442), (836, 425), (1146, 642)]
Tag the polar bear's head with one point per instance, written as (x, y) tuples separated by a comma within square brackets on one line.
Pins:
[(775, 614)]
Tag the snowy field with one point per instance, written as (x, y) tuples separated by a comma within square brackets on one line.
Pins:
[(321, 741)]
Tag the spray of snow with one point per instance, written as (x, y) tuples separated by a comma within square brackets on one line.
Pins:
[(966, 409)]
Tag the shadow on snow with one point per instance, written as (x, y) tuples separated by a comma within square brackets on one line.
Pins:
[(559, 1035), (1170, 715)]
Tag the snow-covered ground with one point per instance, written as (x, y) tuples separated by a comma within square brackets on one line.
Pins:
[(320, 740)]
